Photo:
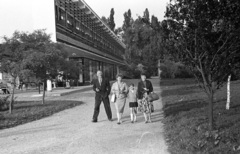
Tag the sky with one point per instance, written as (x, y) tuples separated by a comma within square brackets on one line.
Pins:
[(27, 15), (103, 7)]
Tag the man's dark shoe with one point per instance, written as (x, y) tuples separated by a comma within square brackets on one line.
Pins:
[(94, 120), (110, 119)]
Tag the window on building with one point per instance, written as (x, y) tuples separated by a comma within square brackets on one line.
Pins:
[(77, 25), (62, 14)]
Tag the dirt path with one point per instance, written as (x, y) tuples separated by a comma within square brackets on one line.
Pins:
[(71, 132)]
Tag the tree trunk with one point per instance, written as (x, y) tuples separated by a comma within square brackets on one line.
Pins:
[(39, 87), (210, 111), (43, 97), (228, 93), (12, 98)]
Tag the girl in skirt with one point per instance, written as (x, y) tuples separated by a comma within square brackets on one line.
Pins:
[(132, 95)]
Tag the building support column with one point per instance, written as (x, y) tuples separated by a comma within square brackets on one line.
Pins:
[(118, 70), (100, 66), (90, 71)]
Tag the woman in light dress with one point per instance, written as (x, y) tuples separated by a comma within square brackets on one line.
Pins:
[(120, 89)]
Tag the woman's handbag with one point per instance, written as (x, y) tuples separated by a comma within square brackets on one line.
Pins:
[(113, 98), (153, 97)]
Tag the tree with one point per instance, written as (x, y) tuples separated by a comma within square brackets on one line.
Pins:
[(43, 57), (144, 43), (205, 35), (146, 16), (12, 60), (105, 20), (111, 22), (127, 20)]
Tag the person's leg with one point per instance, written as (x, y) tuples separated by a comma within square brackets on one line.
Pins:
[(131, 114), (135, 114), (107, 108), (96, 107), (120, 117), (145, 116), (121, 110), (117, 112), (152, 107), (149, 113)]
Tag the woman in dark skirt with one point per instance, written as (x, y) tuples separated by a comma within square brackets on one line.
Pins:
[(132, 95)]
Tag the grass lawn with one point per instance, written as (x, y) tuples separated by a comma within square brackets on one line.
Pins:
[(186, 121), (27, 111)]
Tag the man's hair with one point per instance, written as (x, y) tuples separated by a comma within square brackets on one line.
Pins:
[(99, 71)]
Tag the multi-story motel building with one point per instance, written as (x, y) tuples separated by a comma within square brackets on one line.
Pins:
[(72, 22)]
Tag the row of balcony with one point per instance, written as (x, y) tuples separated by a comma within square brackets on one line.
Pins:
[(85, 35), (85, 38)]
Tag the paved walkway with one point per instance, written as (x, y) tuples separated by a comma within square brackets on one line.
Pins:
[(71, 132), (54, 92)]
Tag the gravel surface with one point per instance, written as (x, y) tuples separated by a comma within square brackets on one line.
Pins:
[(72, 132)]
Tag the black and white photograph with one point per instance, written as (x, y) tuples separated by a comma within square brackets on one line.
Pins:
[(120, 77)]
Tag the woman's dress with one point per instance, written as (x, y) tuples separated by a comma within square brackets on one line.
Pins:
[(120, 97)]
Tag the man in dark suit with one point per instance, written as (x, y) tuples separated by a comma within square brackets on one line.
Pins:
[(102, 88)]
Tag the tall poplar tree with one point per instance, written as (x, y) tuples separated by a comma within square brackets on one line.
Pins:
[(111, 22)]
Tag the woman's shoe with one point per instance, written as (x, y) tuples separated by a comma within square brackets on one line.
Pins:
[(118, 123), (132, 122)]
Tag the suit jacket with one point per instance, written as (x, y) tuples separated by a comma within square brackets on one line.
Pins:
[(141, 91), (104, 88)]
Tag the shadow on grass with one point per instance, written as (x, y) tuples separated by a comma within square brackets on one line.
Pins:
[(177, 107), (24, 112)]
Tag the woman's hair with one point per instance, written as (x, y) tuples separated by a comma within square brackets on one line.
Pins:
[(119, 75), (131, 85), (143, 73)]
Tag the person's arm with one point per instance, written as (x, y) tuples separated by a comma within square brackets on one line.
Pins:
[(138, 91), (113, 91), (94, 86), (126, 89), (150, 87), (108, 87)]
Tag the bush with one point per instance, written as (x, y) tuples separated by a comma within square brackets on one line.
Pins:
[(134, 71), (4, 103), (171, 69), (183, 72)]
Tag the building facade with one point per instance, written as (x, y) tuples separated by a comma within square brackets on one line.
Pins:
[(88, 39)]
